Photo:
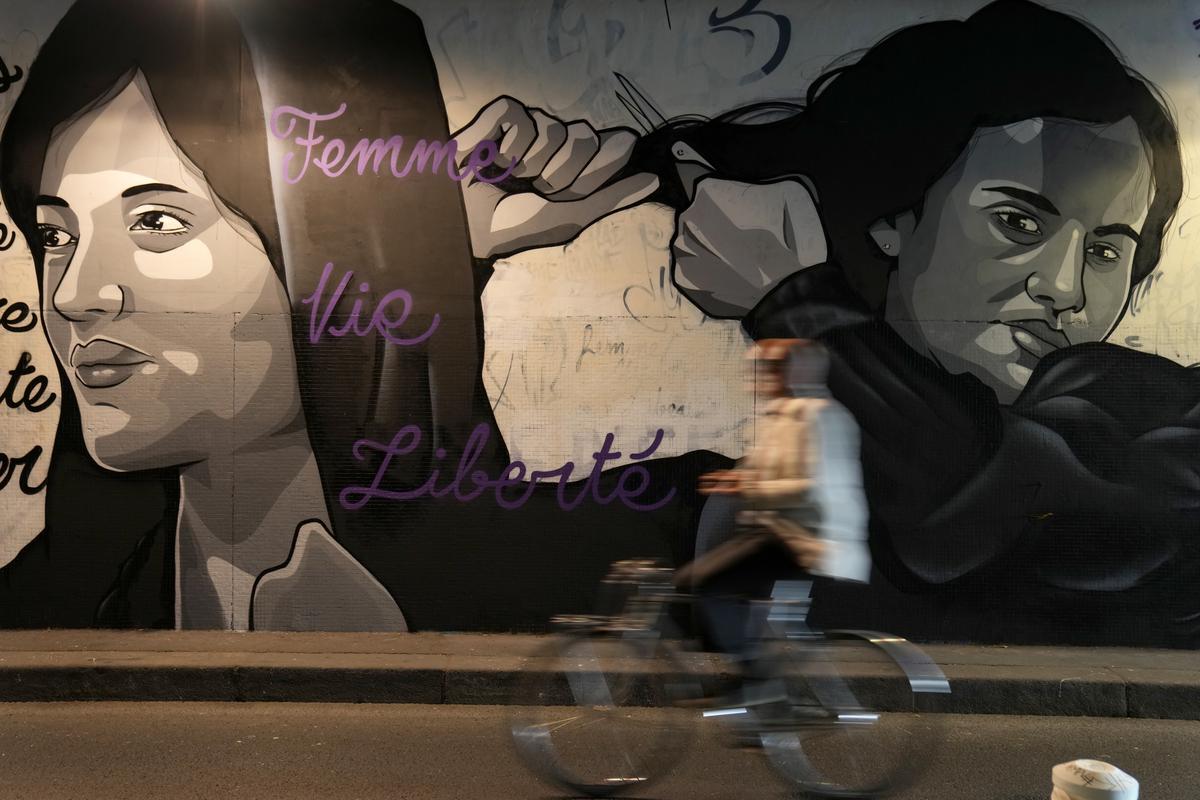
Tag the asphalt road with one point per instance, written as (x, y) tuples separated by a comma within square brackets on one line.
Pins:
[(320, 750)]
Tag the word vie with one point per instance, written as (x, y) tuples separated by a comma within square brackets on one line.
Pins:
[(318, 321)]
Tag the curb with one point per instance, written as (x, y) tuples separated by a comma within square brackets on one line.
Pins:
[(486, 668)]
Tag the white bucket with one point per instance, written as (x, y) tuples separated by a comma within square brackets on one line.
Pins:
[(1085, 779)]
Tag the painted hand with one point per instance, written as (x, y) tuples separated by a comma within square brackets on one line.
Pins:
[(558, 186), (737, 241)]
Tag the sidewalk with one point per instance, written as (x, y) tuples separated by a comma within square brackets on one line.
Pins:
[(481, 668)]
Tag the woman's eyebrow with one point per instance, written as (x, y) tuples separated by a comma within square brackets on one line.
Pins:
[(1118, 228), (52, 200), (150, 187), (1034, 199)]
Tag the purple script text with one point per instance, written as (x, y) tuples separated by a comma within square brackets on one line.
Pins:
[(333, 159), (318, 321), (634, 480)]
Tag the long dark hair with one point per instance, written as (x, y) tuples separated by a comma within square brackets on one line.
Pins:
[(874, 135), (213, 71)]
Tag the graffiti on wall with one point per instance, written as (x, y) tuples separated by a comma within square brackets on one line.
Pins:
[(422, 339)]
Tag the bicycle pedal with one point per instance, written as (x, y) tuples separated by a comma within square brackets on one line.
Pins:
[(762, 693), (749, 741), (698, 702)]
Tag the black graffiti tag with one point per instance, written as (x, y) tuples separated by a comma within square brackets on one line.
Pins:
[(734, 21), (7, 79)]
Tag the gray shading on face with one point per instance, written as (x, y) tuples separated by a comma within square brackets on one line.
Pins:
[(159, 301), (1024, 246)]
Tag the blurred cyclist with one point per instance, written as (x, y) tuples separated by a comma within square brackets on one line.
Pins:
[(792, 508)]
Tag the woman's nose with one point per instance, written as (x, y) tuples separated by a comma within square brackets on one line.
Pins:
[(1057, 279), (89, 289)]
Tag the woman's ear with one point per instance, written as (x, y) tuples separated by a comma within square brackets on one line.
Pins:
[(890, 233)]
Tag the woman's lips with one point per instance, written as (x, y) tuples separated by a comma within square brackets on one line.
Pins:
[(103, 363), (1037, 337), (104, 376)]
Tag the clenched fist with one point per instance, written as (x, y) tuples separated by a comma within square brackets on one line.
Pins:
[(559, 180)]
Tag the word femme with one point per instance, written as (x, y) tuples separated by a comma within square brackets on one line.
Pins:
[(334, 161)]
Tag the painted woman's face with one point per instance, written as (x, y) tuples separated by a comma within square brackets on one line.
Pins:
[(1024, 246), (161, 304)]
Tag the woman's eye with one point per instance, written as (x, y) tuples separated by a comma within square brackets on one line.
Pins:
[(1019, 222), (159, 222), (1104, 252), (54, 237)]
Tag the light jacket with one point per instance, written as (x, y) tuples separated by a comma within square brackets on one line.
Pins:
[(805, 465)]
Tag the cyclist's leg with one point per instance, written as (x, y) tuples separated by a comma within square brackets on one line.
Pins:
[(722, 611), (717, 522), (736, 622), (731, 623)]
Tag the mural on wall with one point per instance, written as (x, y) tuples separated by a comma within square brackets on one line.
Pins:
[(357, 328)]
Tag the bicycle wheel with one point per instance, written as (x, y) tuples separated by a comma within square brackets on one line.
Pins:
[(853, 715), (595, 712)]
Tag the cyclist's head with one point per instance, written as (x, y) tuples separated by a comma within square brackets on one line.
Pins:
[(788, 367), (766, 361), (807, 368)]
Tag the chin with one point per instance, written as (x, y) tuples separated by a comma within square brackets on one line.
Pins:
[(1004, 376), (1004, 380), (117, 456), (132, 451)]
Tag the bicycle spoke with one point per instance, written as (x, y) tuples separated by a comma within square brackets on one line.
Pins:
[(583, 723), (842, 741)]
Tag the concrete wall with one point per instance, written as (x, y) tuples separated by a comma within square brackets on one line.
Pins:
[(259, 381)]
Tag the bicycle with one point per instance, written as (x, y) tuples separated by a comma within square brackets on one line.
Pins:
[(609, 703)]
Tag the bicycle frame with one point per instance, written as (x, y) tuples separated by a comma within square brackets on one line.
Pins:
[(787, 615), (793, 692)]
